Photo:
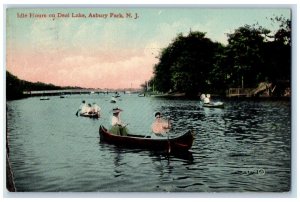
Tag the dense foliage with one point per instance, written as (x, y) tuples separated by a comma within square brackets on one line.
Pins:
[(194, 63)]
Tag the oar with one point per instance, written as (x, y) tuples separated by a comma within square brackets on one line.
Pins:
[(123, 128), (125, 125), (168, 117), (169, 146)]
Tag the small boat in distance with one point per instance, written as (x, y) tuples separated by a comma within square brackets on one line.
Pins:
[(44, 98), (205, 102), (90, 115), (113, 100), (213, 105), (171, 145), (116, 95)]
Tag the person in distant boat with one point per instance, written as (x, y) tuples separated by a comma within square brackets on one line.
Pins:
[(83, 109), (160, 126), (89, 109), (205, 98), (96, 109), (118, 127)]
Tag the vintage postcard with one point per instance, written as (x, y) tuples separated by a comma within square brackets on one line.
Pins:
[(148, 99)]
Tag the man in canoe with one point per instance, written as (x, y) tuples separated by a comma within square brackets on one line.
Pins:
[(118, 127), (160, 126)]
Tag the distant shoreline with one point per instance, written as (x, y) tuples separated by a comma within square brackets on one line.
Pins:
[(183, 96), (176, 95)]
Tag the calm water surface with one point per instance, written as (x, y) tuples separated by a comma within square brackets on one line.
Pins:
[(243, 147)]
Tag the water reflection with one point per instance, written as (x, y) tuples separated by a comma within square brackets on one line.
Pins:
[(186, 156)]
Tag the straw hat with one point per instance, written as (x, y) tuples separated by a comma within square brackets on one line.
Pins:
[(157, 114)]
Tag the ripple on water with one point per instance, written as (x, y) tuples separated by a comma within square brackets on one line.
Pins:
[(62, 152)]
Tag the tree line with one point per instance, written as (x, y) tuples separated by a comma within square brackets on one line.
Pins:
[(15, 87), (194, 63)]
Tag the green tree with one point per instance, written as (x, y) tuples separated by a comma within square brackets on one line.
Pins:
[(245, 50), (277, 55), (185, 64), (194, 63), (14, 89), (218, 76), (162, 78), (283, 34)]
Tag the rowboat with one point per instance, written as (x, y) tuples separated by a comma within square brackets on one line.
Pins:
[(90, 115), (113, 100), (205, 102), (44, 98), (213, 105), (180, 143)]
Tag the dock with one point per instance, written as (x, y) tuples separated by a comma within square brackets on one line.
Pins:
[(240, 92)]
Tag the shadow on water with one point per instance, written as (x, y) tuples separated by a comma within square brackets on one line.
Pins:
[(187, 156), (136, 165)]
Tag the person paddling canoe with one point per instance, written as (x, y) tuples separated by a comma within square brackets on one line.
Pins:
[(160, 126), (118, 127)]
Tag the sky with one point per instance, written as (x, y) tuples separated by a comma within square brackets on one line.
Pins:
[(56, 46)]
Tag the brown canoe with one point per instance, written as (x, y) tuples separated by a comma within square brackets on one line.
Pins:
[(180, 143)]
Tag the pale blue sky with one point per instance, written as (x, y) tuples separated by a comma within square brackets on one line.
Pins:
[(157, 24)]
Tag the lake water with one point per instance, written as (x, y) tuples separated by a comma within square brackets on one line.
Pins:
[(244, 147)]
